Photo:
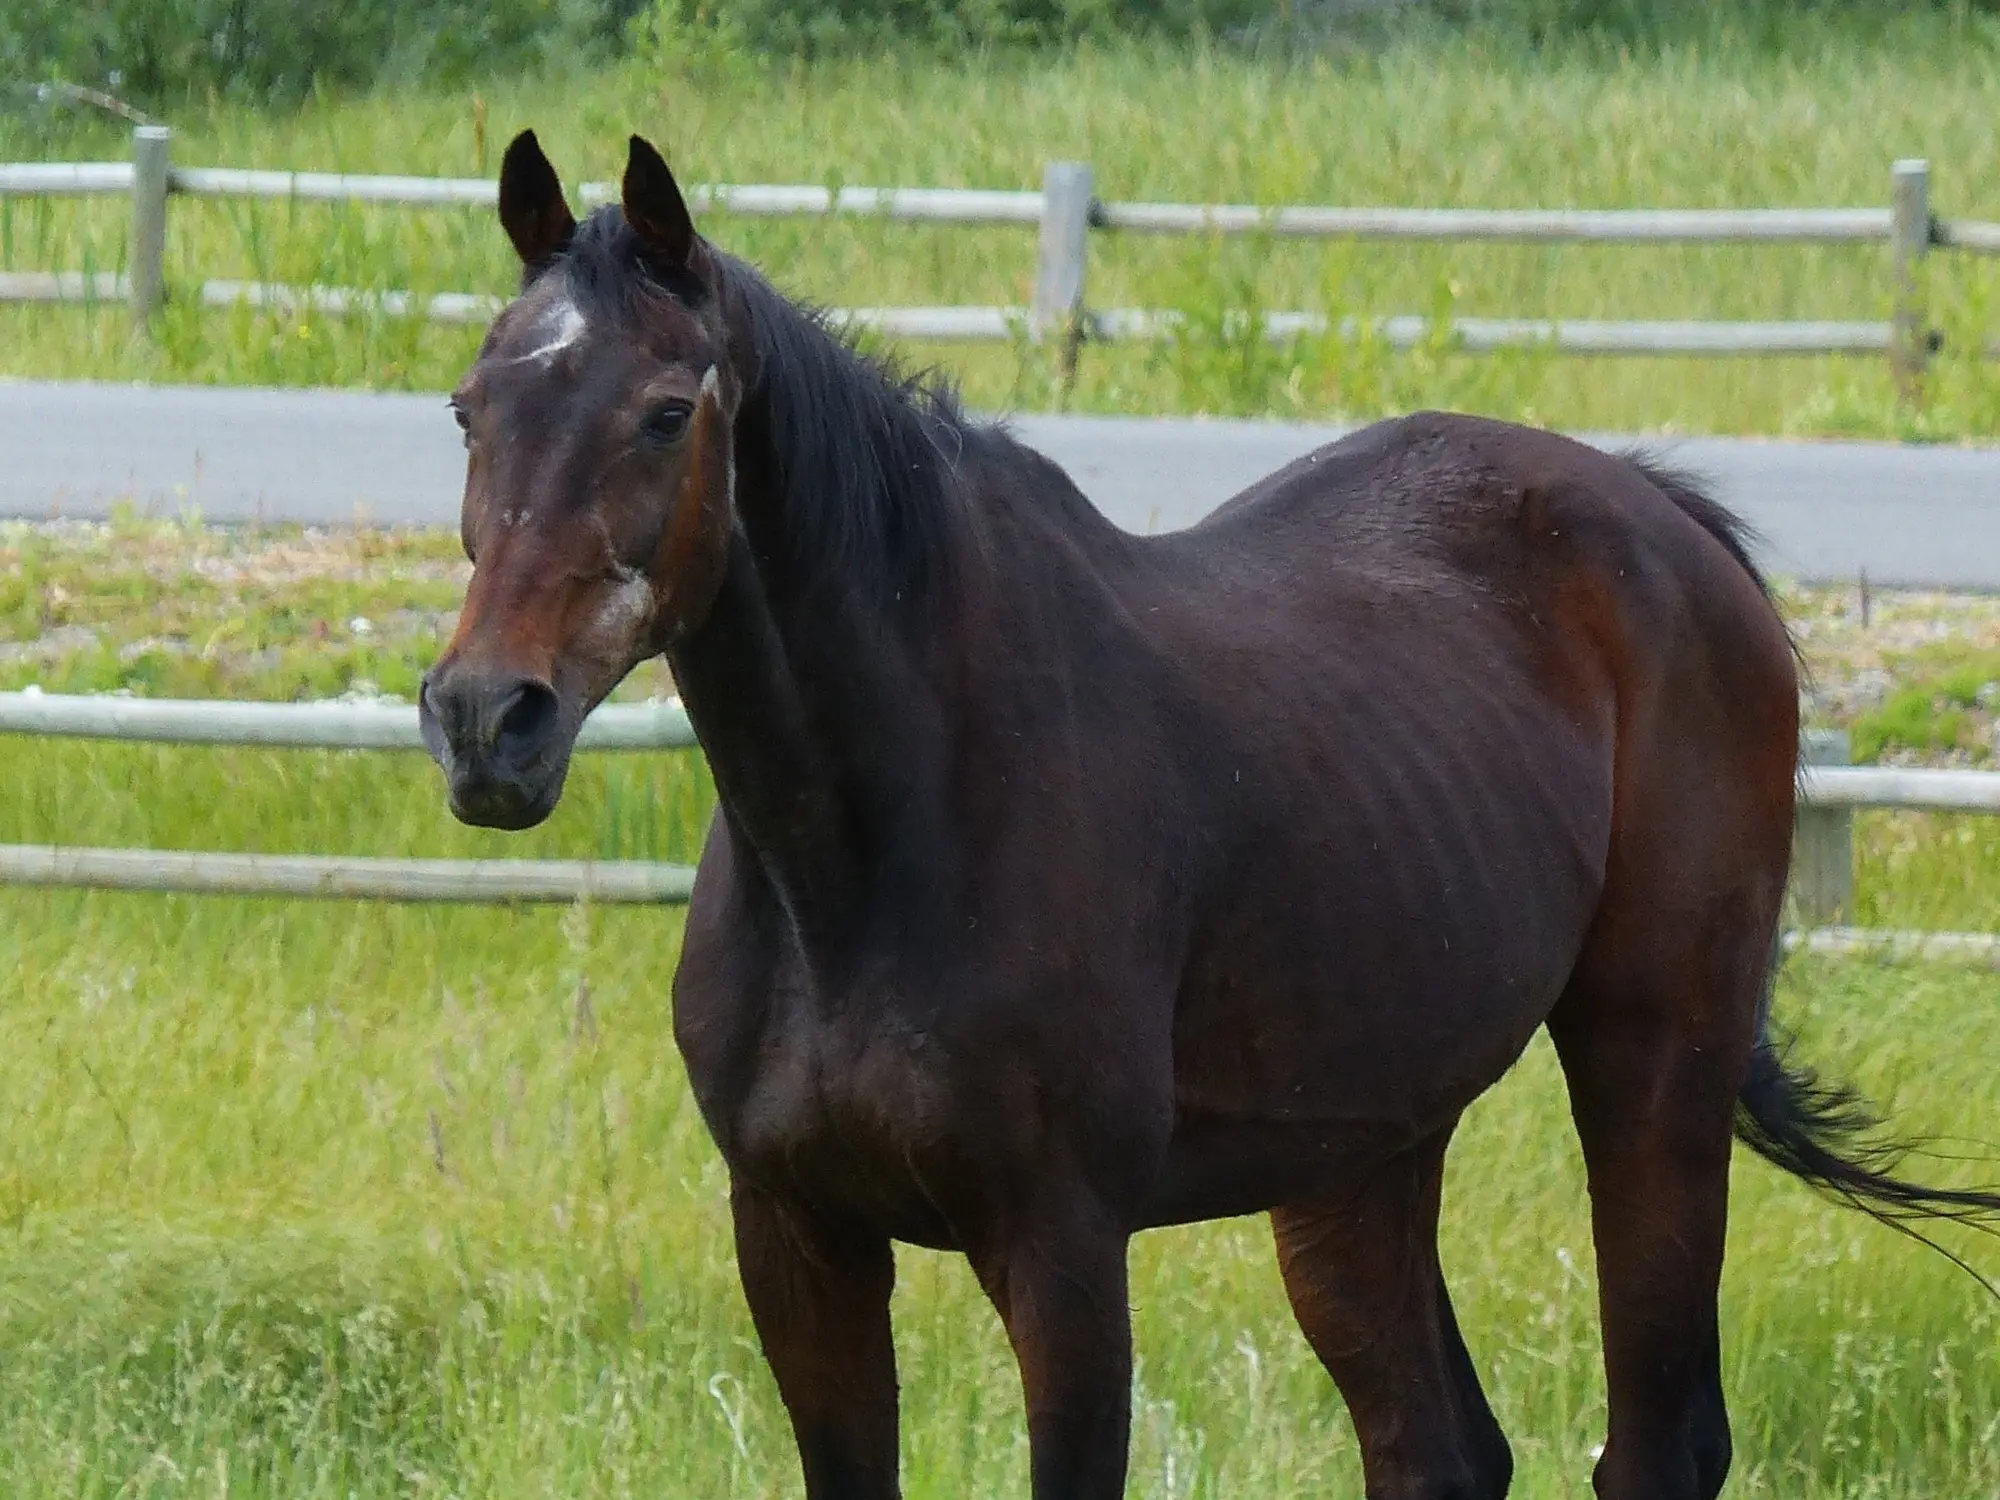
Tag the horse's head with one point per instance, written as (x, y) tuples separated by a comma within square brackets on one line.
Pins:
[(597, 511)]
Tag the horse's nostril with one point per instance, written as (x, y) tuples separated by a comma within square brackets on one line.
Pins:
[(528, 719)]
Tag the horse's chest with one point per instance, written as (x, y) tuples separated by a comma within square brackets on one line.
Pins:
[(867, 1122)]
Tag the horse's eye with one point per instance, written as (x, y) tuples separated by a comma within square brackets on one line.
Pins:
[(666, 424), (464, 419)]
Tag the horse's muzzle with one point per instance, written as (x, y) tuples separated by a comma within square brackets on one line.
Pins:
[(500, 741)]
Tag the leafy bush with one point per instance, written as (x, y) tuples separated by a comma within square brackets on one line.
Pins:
[(156, 50), (810, 27), (152, 50), (807, 27)]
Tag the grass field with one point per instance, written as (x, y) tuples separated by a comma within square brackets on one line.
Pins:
[(346, 1203), (303, 1201), (316, 1202), (1448, 124)]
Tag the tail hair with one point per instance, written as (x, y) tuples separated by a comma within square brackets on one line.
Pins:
[(1826, 1135)]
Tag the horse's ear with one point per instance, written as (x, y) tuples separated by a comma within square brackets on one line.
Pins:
[(533, 210), (655, 209)]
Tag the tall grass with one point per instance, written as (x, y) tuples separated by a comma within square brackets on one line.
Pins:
[(1452, 122), (342, 1200)]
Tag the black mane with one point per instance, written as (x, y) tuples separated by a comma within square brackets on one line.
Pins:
[(868, 455)]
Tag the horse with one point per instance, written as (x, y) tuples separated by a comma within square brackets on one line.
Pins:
[(1065, 883)]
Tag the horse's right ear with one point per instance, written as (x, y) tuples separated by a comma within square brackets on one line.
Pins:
[(533, 210)]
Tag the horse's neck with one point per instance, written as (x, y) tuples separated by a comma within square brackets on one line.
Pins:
[(779, 788), (819, 730)]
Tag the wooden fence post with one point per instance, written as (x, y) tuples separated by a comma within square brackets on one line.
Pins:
[(146, 272), (1067, 200), (1910, 242), (1823, 843)]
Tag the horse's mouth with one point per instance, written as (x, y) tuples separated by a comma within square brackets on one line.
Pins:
[(509, 806)]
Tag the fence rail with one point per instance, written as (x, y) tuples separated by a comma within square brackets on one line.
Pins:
[(316, 726), (953, 325), (1558, 226), (1906, 789), (1830, 791), (1068, 211), (1982, 948), (326, 726), (509, 881)]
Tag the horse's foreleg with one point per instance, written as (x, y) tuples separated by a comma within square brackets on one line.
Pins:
[(1361, 1270), (1058, 1280), (820, 1300)]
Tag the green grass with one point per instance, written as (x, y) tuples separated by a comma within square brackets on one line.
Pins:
[(338, 1200), (303, 1201), (347, 1201), (330, 1201), (1450, 123), (175, 609), (1943, 704)]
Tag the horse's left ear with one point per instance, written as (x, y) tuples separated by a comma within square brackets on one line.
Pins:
[(655, 209)]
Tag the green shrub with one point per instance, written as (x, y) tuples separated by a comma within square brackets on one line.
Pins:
[(817, 27), (1768, 23), (158, 50)]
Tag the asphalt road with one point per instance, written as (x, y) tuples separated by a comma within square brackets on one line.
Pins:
[(1826, 511)]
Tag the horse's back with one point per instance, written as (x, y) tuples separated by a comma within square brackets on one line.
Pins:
[(1474, 528)]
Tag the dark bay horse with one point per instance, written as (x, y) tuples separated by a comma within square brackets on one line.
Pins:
[(1067, 882)]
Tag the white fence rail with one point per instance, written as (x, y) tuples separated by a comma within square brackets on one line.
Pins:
[(511, 881), (1830, 791), (305, 726), (326, 726), (1067, 212)]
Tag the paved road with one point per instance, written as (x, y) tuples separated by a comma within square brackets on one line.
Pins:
[(1926, 516)]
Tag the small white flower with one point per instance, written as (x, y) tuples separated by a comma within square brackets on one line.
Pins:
[(361, 625)]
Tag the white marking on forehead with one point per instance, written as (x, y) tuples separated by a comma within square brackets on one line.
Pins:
[(561, 326), (711, 382)]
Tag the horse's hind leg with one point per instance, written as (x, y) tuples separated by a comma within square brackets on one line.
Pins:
[(1361, 1269), (1654, 1038)]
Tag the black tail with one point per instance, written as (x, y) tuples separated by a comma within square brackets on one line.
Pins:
[(1826, 1135), (1822, 1133)]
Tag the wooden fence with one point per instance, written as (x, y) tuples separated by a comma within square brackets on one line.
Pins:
[(1067, 212), (326, 726), (1822, 875)]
